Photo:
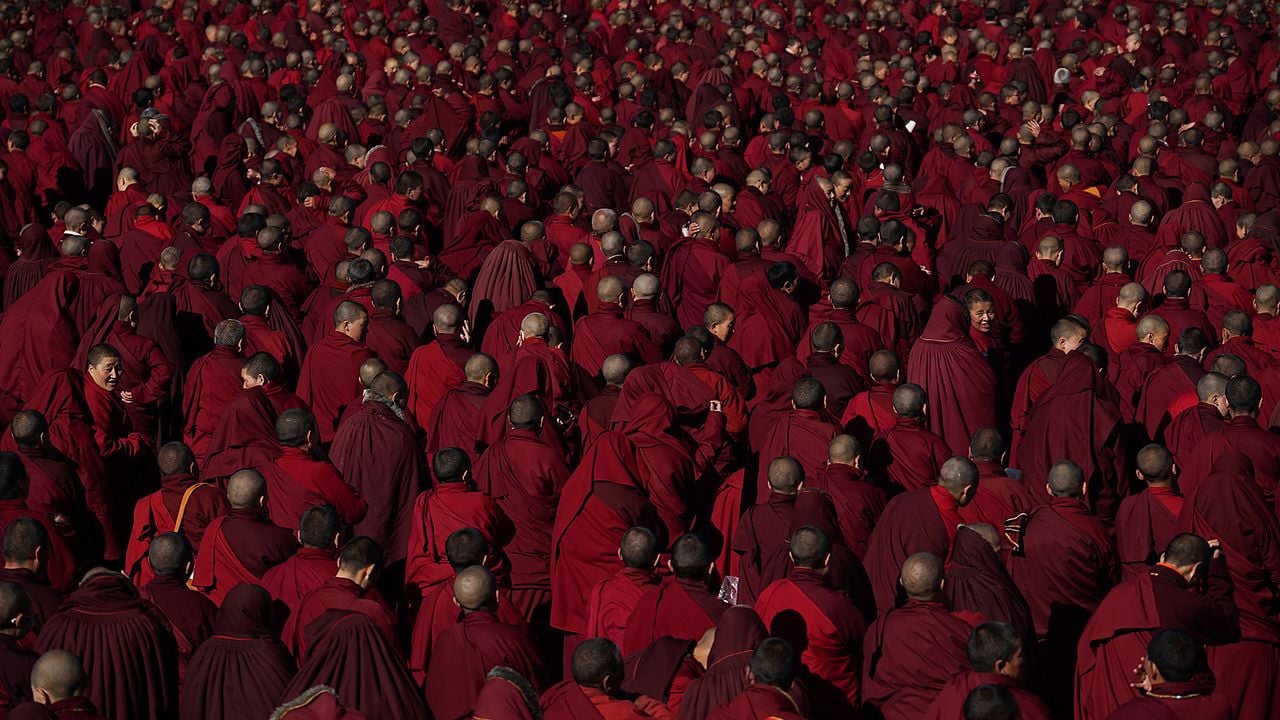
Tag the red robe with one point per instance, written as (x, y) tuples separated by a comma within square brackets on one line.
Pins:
[(829, 633), (297, 481), (570, 701), (802, 435), (606, 332), (900, 681), (998, 497), (330, 380), (380, 457), (921, 520), (457, 420), (760, 541), (1166, 393), (391, 339), (157, 513), (949, 704), (1134, 366), (908, 455), (439, 513), (214, 379), (758, 702), (1145, 524), (335, 593), (960, 384), (535, 368), (434, 371), (613, 600), (295, 578), (676, 607), (1189, 428), (239, 547), (463, 655), (857, 502)]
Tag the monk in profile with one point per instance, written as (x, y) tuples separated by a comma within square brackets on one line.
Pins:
[(595, 689), (330, 378)]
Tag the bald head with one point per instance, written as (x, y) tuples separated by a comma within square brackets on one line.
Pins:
[(475, 589), (535, 325), (609, 289), (1131, 296), (957, 476), (1066, 479), (987, 445), (646, 286), (988, 533), (59, 674), (639, 548), (922, 576), (785, 476), (246, 489), (446, 319), (370, 369), (909, 400), (843, 450), (1153, 330), (479, 368), (615, 368), (1211, 386), (1155, 465), (1229, 364), (169, 554)]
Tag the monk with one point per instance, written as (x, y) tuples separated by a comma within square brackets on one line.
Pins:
[(1190, 427), (262, 370), (892, 312), (241, 665), (1147, 521), (954, 374), (60, 684), (457, 419), (651, 310), (312, 564), (454, 504), (16, 660), (1062, 588), (1101, 295), (805, 610), (330, 380), (858, 503), (771, 675), (606, 332), (1237, 339), (870, 413), (122, 448), (243, 544), (1177, 310), (1243, 433), (613, 600), (921, 520), (996, 658), (462, 656), (859, 341), (53, 489), (1118, 328), (358, 563), (760, 540), (692, 270), (840, 381), (123, 640), (908, 455), (188, 614), (719, 321), (597, 413), (25, 551), (389, 336), (214, 378), (261, 333), (999, 496), (1065, 337), (437, 367), (1169, 596), (379, 455), (802, 434), (1171, 388), (301, 478), (1174, 682), (525, 475), (1139, 361), (897, 681), (603, 498), (681, 606), (595, 689), (538, 368)]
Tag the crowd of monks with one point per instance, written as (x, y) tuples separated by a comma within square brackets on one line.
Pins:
[(614, 359)]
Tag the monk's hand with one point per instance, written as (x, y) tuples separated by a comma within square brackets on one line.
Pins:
[(1216, 546), (1143, 681), (1099, 71), (714, 406), (465, 331), (1033, 126), (126, 397), (424, 263)]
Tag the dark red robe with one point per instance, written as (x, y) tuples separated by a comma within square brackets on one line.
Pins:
[(297, 480), (898, 680), (922, 520), (960, 384), (433, 371), (330, 380), (213, 380), (949, 704), (336, 593), (239, 547), (857, 502), (908, 455), (463, 655)]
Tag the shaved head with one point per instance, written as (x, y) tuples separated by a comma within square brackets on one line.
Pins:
[(475, 588), (922, 576), (785, 475), (479, 366), (843, 449), (988, 533), (60, 674), (245, 489), (615, 368), (639, 548), (535, 325), (909, 400), (1066, 479), (986, 445), (371, 369)]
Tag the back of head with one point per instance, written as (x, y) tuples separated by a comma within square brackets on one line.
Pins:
[(1186, 550), (774, 664), (228, 333), (785, 475), (810, 547), (466, 547), (884, 366), (60, 674), (639, 548), (319, 526), (986, 445), (27, 427), (1244, 395), (535, 325), (992, 641), (526, 412), (843, 449), (808, 394), (1238, 324), (691, 557), (990, 702), (597, 664), (1066, 479), (450, 465), (475, 588), (957, 473), (922, 575), (1177, 655), (359, 553), (255, 300), (1155, 462), (245, 489), (23, 540), (1211, 384), (294, 427), (478, 367), (909, 400), (1228, 364), (169, 554)]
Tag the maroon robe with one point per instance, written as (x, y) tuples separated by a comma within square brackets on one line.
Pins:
[(898, 680), (691, 277), (737, 635), (239, 547), (182, 504), (894, 314), (607, 332), (297, 480), (857, 502), (295, 578), (1166, 393), (241, 668), (922, 520), (802, 435), (508, 276), (1189, 428), (1133, 367), (613, 600), (978, 582), (535, 368), (949, 704), (350, 639), (188, 614), (214, 379), (435, 369), (379, 456), (127, 651), (676, 607), (335, 593), (391, 339), (760, 541), (463, 655), (245, 436), (457, 420), (1145, 524), (330, 380), (439, 513), (998, 497), (960, 384), (908, 455)]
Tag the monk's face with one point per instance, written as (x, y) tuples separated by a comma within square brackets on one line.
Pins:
[(982, 316), (1071, 343), (249, 381), (106, 374), (355, 329), (1013, 666)]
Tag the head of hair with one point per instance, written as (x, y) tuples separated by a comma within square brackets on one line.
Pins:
[(639, 548), (60, 674), (27, 426), (810, 547), (1066, 479), (986, 444), (922, 575), (808, 394), (1177, 655), (169, 553), (474, 588), (318, 526), (992, 641), (1244, 394), (359, 553), (1155, 462), (1186, 549), (466, 547), (596, 661), (294, 426), (774, 663), (245, 489), (23, 540), (691, 557), (785, 475), (174, 458), (909, 400), (990, 702)]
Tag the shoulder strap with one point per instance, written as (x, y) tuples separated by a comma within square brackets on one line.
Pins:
[(182, 506)]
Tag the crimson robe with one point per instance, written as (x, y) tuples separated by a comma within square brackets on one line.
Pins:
[(297, 480), (607, 332), (922, 520), (245, 436), (1145, 524), (997, 498), (802, 435), (37, 334), (330, 380), (336, 593), (571, 701), (1166, 393), (1244, 434), (188, 614), (380, 457), (1177, 701), (757, 702), (295, 578), (760, 541), (900, 681), (535, 368), (433, 371), (870, 413), (602, 499), (857, 502), (440, 512), (242, 668), (691, 276), (1134, 366), (1189, 428), (239, 547), (391, 339), (960, 384), (462, 656), (827, 629), (525, 476), (128, 653), (613, 600), (908, 455), (949, 704), (676, 607), (894, 314), (978, 583), (1101, 295), (383, 688), (199, 503), (507, 278), (457, 420), (213, 380)]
